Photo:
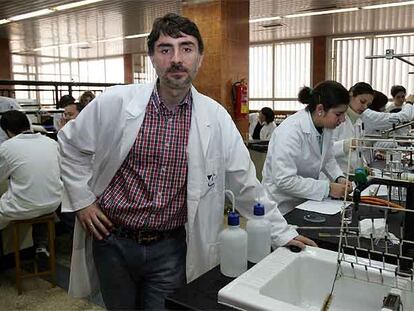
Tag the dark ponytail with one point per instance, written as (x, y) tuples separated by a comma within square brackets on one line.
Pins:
[(328, 93), (305, 95)]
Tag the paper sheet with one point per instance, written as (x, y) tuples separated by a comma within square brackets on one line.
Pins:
[(326, 207)]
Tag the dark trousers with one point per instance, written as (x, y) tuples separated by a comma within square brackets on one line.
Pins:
[(139, 277), (40, 235)]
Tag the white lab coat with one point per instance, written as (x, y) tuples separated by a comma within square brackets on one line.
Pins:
[(342, 133), (294, 162), (372, 121), (265, 132), (217, 159), (30, 162)]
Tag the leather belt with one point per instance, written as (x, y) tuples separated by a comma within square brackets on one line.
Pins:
[(145, 236)]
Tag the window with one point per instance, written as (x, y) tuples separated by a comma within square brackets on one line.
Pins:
[(143, 70), (55, 68), (349, 65), (277, 72)]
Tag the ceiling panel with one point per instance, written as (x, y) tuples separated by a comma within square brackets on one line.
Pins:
[(265, 8), (17, 7), (103, 20), (112, 19), (395, 19)]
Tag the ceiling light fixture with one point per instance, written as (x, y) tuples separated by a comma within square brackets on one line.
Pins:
[(368, 7), (387, 5), (47, 11), (322, 12), (30, 15), (141, 35), (264, 19), (74, 5)]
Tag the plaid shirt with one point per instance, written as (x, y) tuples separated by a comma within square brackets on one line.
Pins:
[(149, 190)]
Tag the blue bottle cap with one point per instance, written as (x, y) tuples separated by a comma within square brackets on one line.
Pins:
[(258, 209), (233, 219)]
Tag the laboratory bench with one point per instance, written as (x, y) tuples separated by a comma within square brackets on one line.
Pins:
[(201, 294)]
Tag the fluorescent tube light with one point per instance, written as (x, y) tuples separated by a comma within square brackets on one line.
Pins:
[(141, 35), (47, 11), (322, 12), (264, 19), (387, 5), (30, 15), (74, 5)]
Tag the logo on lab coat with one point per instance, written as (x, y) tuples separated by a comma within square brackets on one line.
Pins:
[(211, 180)]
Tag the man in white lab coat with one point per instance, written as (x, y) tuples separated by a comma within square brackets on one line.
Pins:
[(143, 162), (29, 162)]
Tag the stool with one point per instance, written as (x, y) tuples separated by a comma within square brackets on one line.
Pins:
[(48, 219)]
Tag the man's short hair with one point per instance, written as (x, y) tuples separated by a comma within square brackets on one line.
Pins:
[(173, 25), (78, 105), (65, 100), (15, 122)]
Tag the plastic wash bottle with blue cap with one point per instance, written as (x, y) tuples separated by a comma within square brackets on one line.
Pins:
[(258, 235), (233, 247)]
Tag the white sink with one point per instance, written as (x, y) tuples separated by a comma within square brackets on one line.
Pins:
[(301, 281)]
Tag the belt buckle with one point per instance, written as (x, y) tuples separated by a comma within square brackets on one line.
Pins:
[(145, 237)]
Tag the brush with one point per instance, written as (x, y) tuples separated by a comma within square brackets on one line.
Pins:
[(327, 302)]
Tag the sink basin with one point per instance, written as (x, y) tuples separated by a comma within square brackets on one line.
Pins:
[(301, 281)]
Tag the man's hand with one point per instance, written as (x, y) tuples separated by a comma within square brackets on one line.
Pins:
[(301, 242), (94, 221), (62, 122), (337, 190), (342, 180)]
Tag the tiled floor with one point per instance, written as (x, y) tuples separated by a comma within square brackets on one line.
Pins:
[(38, 295)]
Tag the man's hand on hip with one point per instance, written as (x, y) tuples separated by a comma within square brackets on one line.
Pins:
[(94, 221)]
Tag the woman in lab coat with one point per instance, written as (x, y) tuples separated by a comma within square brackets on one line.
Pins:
[(262, 125), (378, 104), (359, 119), (361, 96), (301, 147)]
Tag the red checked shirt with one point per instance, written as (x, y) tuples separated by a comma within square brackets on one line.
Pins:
[(149, 190)]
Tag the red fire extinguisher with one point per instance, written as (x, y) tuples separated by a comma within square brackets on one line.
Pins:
[(240, 99)]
